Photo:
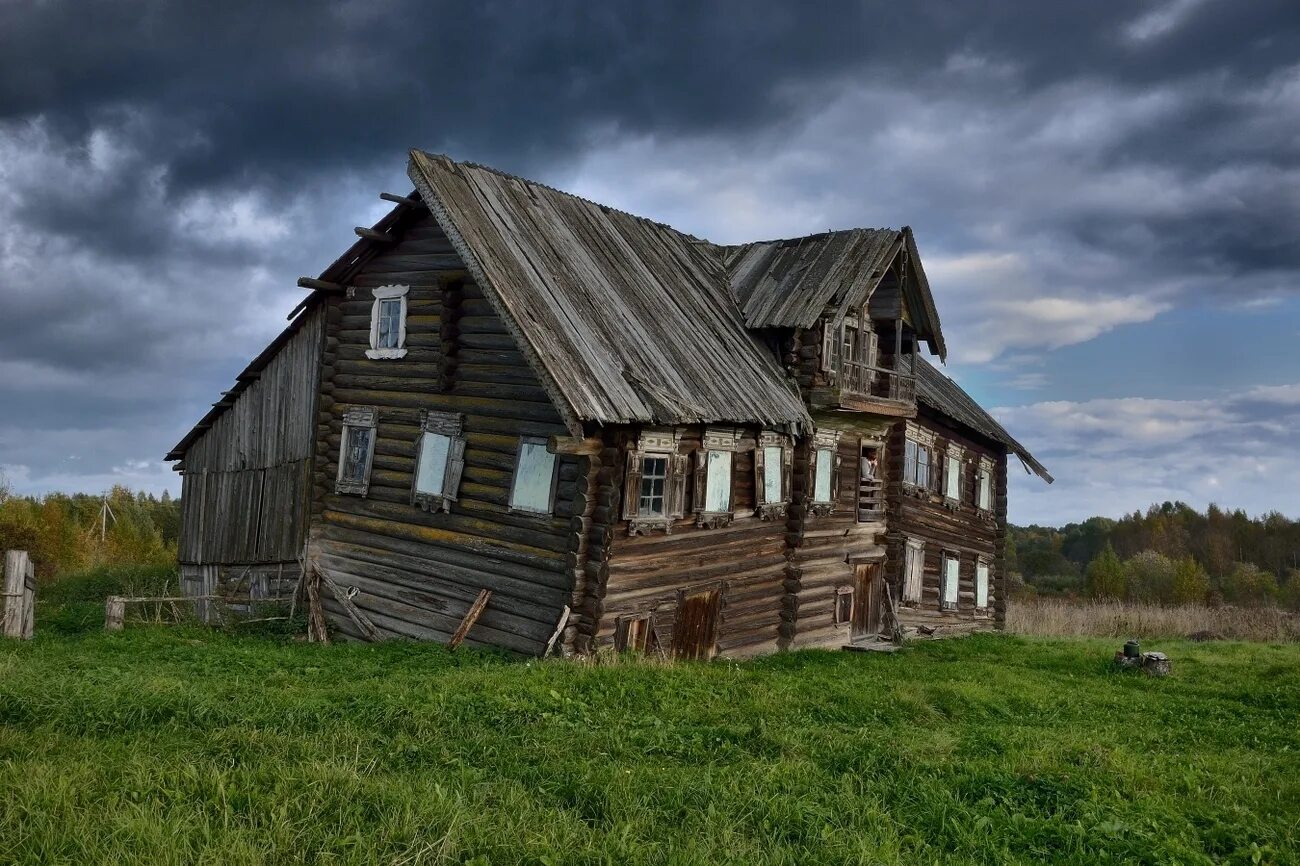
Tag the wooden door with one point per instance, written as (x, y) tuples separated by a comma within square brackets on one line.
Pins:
[(695, 632), (868, 598)]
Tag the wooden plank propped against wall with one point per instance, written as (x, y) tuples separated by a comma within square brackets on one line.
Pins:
[(471, 616), (341, 596)]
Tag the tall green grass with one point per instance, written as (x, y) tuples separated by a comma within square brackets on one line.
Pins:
[(183, 745)]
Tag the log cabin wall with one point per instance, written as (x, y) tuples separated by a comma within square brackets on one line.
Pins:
[(924, 516), (246, 480), (746, 560), (417, 572)]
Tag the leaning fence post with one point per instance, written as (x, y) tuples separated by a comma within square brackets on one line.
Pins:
[(114, 613), (19, 599)]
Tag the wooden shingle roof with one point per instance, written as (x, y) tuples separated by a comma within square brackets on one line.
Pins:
[(945, 396), (626, 319)]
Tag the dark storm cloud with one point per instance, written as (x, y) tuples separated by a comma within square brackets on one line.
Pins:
[(167, 169)]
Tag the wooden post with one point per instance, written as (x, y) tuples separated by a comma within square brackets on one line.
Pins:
[(471, 616), (18, 599), (114, 613), (317, 632)]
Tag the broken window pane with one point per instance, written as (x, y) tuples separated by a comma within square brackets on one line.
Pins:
[(356, 452)]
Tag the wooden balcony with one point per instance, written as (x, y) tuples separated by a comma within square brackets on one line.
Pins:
[(866, 388)]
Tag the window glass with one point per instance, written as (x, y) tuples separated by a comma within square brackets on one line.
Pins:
[(822, 479), (772, 458), (982, 585), (985, 490), (433, 463), (717, 489), (356, 449), (922, 466), (654, 476), (534, 477), (909, 463), (952, 479), (390, 324)]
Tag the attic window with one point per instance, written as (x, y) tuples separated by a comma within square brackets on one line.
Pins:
[(713, 476), (388, 323), (356, 450), (772, 460), (654, 484), (825, 472), (439, 461)]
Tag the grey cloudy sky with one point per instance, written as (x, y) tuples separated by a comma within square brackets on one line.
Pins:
[(1106, 197)]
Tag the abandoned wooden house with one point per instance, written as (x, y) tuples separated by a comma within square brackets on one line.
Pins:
[(629, 436)]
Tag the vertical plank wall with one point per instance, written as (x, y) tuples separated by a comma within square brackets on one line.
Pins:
[(245, 480), (417, 573)]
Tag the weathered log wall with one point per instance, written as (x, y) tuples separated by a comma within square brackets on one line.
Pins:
[(923, 515), (246, 479), (417, 573)]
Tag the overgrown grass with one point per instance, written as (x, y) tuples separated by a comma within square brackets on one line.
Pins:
[(1088, 617), (182, 745)]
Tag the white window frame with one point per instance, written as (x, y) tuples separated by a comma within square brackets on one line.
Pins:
[(716, 440), (954, 467), (984, 486), (357, 418), (982, 586), (949, 581), (769, 509), (521, 508), (918, 440), (449, 425), (381, 294), (913, 570), (828, 442)]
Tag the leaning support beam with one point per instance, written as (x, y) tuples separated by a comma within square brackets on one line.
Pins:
[(320, 285), (372, 235), (401, 199), (471, 617), (345, 601)]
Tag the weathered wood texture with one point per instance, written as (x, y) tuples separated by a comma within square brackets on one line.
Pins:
[(245, 479), (962, 530), (745, 560), (18, 602), (417, 573)]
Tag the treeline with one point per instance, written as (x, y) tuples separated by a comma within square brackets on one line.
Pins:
[(1172, 553), (65, 532)]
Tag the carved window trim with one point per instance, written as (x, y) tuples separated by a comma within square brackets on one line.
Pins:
[(913, 571), (387, 353), (918, 440), (768, 510), (356, 418), (984, 576), (515, 506), (655, 443), (824, 441), (716, 440), (450, 425), (984, 486)]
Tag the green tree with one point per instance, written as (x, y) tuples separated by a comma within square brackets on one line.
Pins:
[(1191, 583), (1106, 575), (1290, 592), (1248, 584), (1149, 576)]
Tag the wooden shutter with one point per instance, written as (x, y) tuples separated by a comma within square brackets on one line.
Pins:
[(760, 488), (632, 485), (675, 485), (828, 345), (455, 467), (701, 480), (837, 466)]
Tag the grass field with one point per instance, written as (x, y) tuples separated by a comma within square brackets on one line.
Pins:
[(181, 745)]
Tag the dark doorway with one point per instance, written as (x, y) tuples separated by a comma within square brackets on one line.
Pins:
[(695, 632), (868, 599)]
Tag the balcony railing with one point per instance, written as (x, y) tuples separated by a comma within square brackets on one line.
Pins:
[(875, 383)]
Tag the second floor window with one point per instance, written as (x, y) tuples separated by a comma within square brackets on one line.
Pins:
[(388, 323), (916, 464), (952, 476), (984, 486)]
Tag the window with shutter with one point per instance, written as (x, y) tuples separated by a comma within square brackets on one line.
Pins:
[(913, 570), (952, 472), (825, 467), (439, 460), (951, 574), (984, 490), (532, 490), (713, 476), (655, 482), (772, 463), (982, 586), (828, 346), (356, 450), (388, 323)]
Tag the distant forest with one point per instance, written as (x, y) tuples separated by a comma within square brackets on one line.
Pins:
[(1171, 553)]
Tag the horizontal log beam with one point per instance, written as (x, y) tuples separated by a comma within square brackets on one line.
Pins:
[(372, 235), (401, 199), (320, 285), (572, 445)]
